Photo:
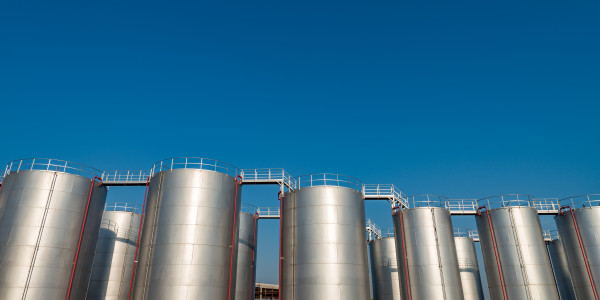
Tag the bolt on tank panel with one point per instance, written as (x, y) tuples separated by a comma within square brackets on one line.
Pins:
[(522, 254), (384, 269), (588, 223), (560, 266), (469, 268), (246, 268), (115, 252), (189, 241), (425, 245), (41, 218), (324, 244)]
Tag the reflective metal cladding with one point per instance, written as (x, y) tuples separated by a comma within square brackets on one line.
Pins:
[(516, 260), (384, 269), (427, 261), (468, 267), (562, 275), (46, 247), (190, 233), (579, 225), (115, 252), (246, 262), (324, 246)]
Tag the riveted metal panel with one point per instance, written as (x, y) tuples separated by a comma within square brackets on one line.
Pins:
[(469, 268), (522, 254), (426, 242), (588, 222), (562, 275), (186, 246), (115, 252), (41, 217), (246, 268), (384, 269), (324, 244)]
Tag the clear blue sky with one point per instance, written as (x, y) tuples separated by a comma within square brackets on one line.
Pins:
[(465, 99)]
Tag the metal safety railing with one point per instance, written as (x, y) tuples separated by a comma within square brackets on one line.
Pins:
[(268, 212), (427, 201), (194, 163), (387, 232), (509, 200), (268, 176), (373, 231), (123, 206), (327, 179), (466, 232), (249, 208), (125, 177), (462, 206), (581, 201), (50, 164), (546, 205), (385, 191)]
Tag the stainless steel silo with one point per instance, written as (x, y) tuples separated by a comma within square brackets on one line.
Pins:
[(579, 227), (324, 249), (516, 260), (189, 241), (562, 275), (427, 261), (115, 253), (246, 262), (468, 265), (50, 213), (384, 269)]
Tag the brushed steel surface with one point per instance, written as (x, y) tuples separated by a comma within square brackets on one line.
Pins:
[(562, 275), (588, 221), (324, 245), (115, 252), (41, 215), (384, 269), (469, 268), (246, 268), (185, 250), (524, 259), (430, 251)]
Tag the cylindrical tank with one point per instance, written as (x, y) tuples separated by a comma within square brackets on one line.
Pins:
[(384, 269), (511, 237), (578, 225), (468, 266), (188, 248), (246, 262), (115, 252), (324, 247), (50, 213), (562, 275), (426, 252)]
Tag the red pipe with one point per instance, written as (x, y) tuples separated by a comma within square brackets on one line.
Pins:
[(238, 181), (81, 235), (396, 210), (495, 247), (585, 259), (137, 244), (253, 253), (280, 197)]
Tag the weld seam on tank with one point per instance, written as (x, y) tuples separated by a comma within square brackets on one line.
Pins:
[(39, 238)]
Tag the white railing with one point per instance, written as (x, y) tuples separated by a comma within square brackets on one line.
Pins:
[(373, 231), (466, 232), (248, 208), (123, 206), (387, 232), (194, 163), (268, 175), (510, 200), (385, 191), (427, 201), (329, 180), (581, 201), (49, 164), (462, 206), (268, 212), (546, 204), (125, 175)]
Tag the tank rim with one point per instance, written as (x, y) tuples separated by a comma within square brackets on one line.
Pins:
[(51, 164), (194, 163)]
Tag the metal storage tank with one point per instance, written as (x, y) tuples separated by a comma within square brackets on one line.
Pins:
[(579, 226), (562, 275), (115, 252), (324, 249), (426, 252), (516, 260), (189, 241), (384, 268), (50, 212), (468, 265), (246, 262)]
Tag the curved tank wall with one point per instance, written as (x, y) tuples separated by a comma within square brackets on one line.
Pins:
[(246, 262), (426, 254), (324, 245), (188, 248), (41, 217), (586, 215), (562, 275), (115, 252), (468, 268), (384, 269), (522, 254)]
